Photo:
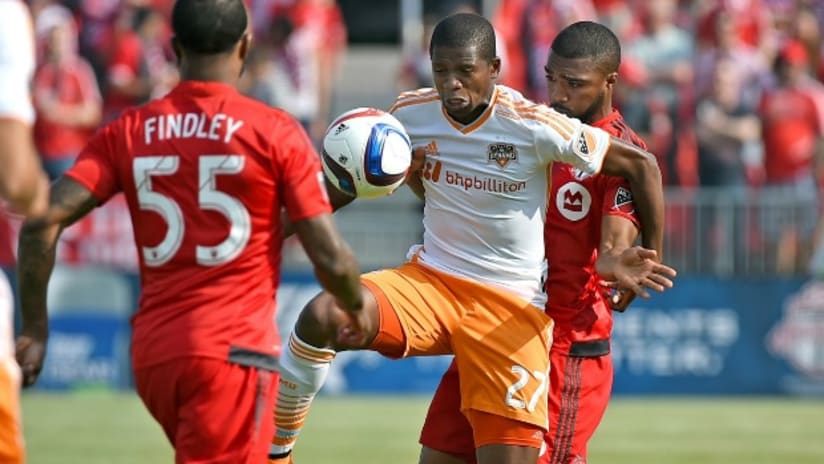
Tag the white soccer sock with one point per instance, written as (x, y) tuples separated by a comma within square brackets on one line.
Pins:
[(303, 370)]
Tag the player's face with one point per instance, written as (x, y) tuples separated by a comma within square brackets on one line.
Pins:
[(464, 80), (578, 87)]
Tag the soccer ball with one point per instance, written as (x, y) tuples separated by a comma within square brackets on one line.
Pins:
[(366, 153)]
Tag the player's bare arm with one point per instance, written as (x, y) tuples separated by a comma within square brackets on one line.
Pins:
[(641, 170), (629, 267), (69, 202), (335, 266), (22, 183)]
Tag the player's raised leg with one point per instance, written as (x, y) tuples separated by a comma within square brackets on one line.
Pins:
[(321, 331)]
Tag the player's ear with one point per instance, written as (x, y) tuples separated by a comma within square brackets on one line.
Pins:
[(245, 45), (612, 78), (495, 67)]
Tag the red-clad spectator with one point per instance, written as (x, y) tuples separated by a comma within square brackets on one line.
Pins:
[(793, 127), (753, 21), (127, 81), (66, 96), (542, 21), (318, 41)]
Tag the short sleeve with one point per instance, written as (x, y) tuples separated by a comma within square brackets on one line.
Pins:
[(95, 167), (618, 199), (303, 188), (16, 62), (568, 140)]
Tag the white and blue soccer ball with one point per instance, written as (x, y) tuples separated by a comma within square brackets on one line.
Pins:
[(366, 153)]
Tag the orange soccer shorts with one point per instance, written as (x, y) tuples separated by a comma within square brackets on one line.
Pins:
[(11, 436), (500, 341)]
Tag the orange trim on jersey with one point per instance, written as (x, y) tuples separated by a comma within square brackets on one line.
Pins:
[(412, 98), (477, 122), (542, 114)]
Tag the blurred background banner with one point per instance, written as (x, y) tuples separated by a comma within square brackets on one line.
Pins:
[(705, 336)]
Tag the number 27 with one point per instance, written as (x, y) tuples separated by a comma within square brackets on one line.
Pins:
[(523, 379)]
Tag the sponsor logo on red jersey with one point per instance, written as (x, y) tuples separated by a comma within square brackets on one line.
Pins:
[(573, 201)]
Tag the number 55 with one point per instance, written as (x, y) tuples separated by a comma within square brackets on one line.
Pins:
[(208, 197)]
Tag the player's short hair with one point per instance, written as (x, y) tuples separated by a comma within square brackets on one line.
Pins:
[(209, 26), (587, 39), (465, 30)]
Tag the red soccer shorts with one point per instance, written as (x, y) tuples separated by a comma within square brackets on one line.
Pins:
[(211, 410), (579, 392)]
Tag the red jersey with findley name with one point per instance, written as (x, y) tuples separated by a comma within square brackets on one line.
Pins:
[(575, 208), (205, 172)]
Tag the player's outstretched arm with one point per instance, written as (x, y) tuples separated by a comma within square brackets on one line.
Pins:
[(69, 201), (335, 265), (628, 269), (641, 170)]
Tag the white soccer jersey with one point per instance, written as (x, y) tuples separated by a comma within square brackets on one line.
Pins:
[(486, 184), (16, 61)]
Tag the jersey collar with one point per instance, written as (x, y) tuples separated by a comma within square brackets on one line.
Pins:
[(466, 129), (606, 120)]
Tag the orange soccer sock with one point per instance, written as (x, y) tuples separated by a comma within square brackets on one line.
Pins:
[(303, 370)]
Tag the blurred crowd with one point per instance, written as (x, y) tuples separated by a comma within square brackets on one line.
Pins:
[(98, 57), (727, 93)]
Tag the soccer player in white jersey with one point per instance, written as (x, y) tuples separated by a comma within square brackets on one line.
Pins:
[(24, 190), (474, 288)]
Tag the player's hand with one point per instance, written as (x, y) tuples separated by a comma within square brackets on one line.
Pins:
[(30, 351), (418, 159), (619, 299), (637, 270)]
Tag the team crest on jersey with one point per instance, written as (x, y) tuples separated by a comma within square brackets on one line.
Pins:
[(502, 153), (623, 200), (573, 201)]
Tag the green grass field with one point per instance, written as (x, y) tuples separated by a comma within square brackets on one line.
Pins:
[(105, 428)]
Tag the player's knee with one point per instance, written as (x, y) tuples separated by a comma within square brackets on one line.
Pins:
[(317, 324)]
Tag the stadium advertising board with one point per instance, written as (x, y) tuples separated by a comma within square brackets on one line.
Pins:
[(705, 336)]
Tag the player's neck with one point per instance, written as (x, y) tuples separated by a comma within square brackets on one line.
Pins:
[(208, 70), (602, 111)]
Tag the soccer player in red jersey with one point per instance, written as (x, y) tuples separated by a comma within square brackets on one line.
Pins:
[(206, 173), (590, 231)]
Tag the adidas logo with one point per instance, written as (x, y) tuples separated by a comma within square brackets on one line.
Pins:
[(341, 127), (431, 148)]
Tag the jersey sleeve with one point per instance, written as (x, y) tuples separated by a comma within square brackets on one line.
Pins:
[(95, 166), (303, 188), (559, 138), (618, 199), (16, 62)]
